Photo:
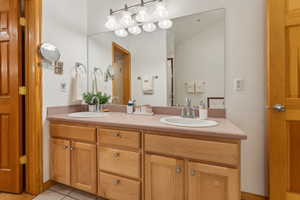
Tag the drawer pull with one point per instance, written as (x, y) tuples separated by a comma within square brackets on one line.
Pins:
[(178, 170), (66, 147), (193, 172), (116, 154), (116, 134), (116, 182)]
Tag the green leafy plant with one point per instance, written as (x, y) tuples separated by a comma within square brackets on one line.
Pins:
[(103, 98), (89, 98)]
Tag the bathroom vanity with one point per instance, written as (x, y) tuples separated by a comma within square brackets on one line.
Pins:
[(128, 157)]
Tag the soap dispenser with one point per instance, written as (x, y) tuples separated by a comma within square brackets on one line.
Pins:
[(203, 111), (130, 107)]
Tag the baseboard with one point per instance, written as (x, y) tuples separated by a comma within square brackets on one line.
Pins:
[(48, 185), (249, 196)]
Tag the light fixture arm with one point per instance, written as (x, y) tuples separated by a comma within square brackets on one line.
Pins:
[(126, 7)]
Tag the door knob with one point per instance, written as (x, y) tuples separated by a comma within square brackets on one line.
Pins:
[(279, 107), (178, 170)]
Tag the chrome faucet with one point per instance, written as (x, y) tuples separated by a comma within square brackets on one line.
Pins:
[(98, 103), (188, 111)]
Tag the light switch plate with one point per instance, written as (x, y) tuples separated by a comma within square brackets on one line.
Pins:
[(238, 85)]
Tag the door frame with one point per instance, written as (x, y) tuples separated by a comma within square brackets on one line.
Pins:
[(117, 47), (33, 105)]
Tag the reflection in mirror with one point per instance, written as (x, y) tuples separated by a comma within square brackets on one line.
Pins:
[(163, 67)]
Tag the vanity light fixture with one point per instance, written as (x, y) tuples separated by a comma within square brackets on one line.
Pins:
[(136, 20)]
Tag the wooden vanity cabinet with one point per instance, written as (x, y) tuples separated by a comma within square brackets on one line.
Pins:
[(119, 164), (60, 160), (84, 166), (208, 182), (129, 165), (74, 156), (168, 178), (164, 178)]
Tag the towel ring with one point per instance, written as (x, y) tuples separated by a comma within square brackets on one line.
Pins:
[(80, 65)]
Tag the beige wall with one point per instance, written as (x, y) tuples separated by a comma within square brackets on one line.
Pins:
[(65, 27)]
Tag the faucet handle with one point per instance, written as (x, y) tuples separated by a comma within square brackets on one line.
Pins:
[(188, 101)]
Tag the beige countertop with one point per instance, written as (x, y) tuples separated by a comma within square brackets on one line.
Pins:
[(226, 129)]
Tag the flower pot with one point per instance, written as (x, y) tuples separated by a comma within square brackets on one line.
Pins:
[(92, 108)]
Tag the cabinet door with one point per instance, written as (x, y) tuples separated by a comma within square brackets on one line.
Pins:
[(208, 182), (84, 167), (60, 160), (164, 178)]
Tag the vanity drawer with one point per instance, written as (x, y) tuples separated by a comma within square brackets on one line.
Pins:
[(217, 152), (87, 134), (121, 138), (120, 162), (117, 188)]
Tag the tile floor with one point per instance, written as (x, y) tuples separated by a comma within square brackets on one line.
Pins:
[(62, 192)]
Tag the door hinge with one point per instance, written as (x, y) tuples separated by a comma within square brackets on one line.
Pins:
[(23, 160), (23, 90), (23, 21)]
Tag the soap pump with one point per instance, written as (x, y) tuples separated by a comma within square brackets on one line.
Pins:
[(203, 111), (130, 107)]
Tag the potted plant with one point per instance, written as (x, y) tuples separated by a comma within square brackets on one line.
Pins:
[(93, 100)]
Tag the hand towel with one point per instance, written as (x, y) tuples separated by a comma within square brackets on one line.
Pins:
[(78, 85), (199, 86), (99, 81), (190, 87), (147, 84)]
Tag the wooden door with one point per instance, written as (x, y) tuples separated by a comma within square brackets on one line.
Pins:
[(284, 99), (164, 178), (84, 169), (60, 160), (125, 84), (207, 182), (10, 101)]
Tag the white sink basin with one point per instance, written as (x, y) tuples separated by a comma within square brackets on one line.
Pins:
[(87, 114), (188, 122)]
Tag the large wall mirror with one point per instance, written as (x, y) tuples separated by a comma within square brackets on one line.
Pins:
[(164, 67)]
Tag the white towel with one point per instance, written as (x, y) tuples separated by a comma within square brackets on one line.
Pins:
[(190, 87), (147, 84), (200, 86), (78, 85), (97, 78)]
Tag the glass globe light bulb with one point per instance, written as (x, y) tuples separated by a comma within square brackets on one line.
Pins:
[(111, 23), (126, 19), (121, 33), (165, 24), (149, 27), (142, 15), (161, 11), (135, 30)]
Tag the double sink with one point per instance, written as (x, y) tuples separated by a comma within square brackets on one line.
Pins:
[(170, 120)]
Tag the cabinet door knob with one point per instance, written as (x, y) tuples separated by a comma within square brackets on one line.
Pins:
[(178, 170), (193, 172), (116, 154), (116, 134), (116, 182), (71, 148), (66, 147)]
